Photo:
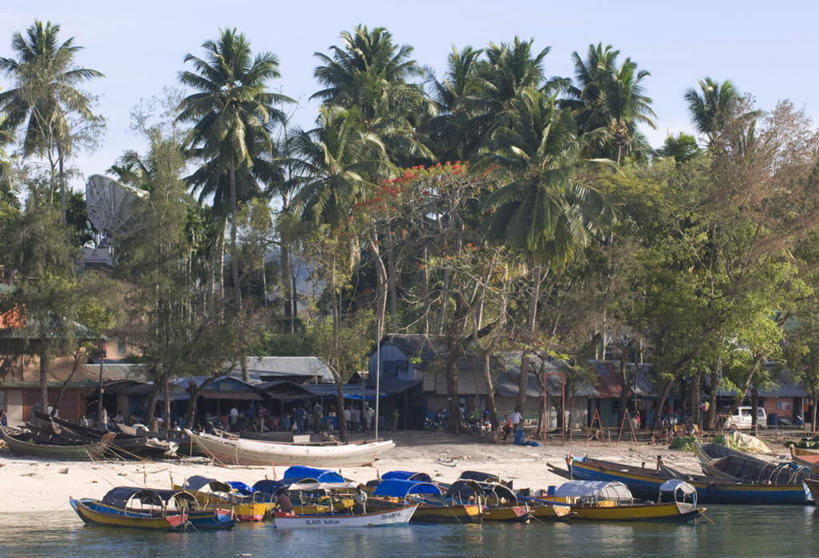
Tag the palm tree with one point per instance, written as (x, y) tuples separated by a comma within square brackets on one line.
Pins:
[(508, 70), (336, 161), (230, 110), (450, 129), (370, 73), (712, 106), (45, 97), (610, 101), (542, 212)]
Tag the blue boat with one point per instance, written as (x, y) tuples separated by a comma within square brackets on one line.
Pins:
[(645, 483)]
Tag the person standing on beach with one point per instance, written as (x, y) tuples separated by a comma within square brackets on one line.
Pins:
[(515, 417)]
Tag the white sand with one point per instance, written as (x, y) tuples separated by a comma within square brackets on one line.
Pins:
[(30, 485)]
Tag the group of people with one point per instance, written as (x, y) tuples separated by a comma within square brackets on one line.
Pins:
[(301, 419)]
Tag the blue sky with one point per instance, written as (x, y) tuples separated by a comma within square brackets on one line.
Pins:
[(767, 49)]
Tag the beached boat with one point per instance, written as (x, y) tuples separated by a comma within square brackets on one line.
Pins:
[(612, 501), (238, 451), (393, 491), (645, 482), (145, 508), (396, 516), (123, 446), (808, 458), (23, 443), (723, 462)]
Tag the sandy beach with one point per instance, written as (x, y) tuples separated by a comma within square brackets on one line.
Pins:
[(43, 486)]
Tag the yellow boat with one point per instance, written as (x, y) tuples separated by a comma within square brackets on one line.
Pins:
[(507, 513), (612, 501), (544, 511), (221, 495), (392, 492)]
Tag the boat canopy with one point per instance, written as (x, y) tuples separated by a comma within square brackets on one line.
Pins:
[(321, 486), (674, 485), (406, 475), (300, 473), (499, 491), (606, 490), (121, 495), (464, 490), (479, 476), (399, 488), (196, 482), (267, 486), (241, 488)]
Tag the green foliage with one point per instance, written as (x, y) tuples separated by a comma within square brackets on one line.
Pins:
[(683, 443)]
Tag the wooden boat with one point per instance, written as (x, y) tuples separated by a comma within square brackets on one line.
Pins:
[(221, 495), (612, 501), (397, 516), (813, 486), (22, 444), (124, 445), (238, 451), (723, 462), (396, 490), (499, 502), (645, 482), (158, 509), (806, 458)]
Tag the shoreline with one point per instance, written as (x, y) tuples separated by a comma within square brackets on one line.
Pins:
[(43, 486)]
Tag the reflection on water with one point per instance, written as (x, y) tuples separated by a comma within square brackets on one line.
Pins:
[(737, 531)]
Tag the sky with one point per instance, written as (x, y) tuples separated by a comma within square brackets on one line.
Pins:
[(767, 49)]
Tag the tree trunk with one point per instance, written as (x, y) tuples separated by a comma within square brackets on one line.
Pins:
[(490, 390), (150, 417), (712, 402), (167, 407), (63, 189), (234, 270), (531, 324), (44, 366), (747, 384), (342, 420), (754, 405), (695, 399), (392, 280), (813, 413), (284, 264), (78, 357)]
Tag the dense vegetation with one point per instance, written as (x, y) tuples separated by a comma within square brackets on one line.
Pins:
[(491, 205)]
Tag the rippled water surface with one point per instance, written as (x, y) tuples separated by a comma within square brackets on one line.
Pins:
[(735, 531)]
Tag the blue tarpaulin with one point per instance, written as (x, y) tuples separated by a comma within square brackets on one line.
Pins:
[(241, 487), (399, 488), (299, 472), (406, 475), (268, 486)]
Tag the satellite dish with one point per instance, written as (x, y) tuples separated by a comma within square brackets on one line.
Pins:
[(110, 205)]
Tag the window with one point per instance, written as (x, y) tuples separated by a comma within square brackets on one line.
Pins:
[(122, 346)]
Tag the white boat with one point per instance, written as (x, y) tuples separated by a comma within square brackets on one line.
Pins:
[(397, 516), (241, 451)]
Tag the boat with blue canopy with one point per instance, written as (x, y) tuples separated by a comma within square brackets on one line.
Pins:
[(299, 473)]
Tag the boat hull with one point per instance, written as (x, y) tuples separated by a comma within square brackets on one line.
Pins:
[(398, 516), (717, 491), (253, 452), (507, 513), (550, 512), (638, 512), (468, 513), (85, 452), (94, 512)]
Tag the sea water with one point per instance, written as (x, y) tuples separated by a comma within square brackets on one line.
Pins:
[(732, 531)]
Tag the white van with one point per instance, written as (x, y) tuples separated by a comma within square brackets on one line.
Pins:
[(743, 417)]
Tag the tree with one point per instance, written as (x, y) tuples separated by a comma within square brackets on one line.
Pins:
[(541, 210), (58, 114), (712, 106), (681, 147), (611, 100), (230, 110)]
